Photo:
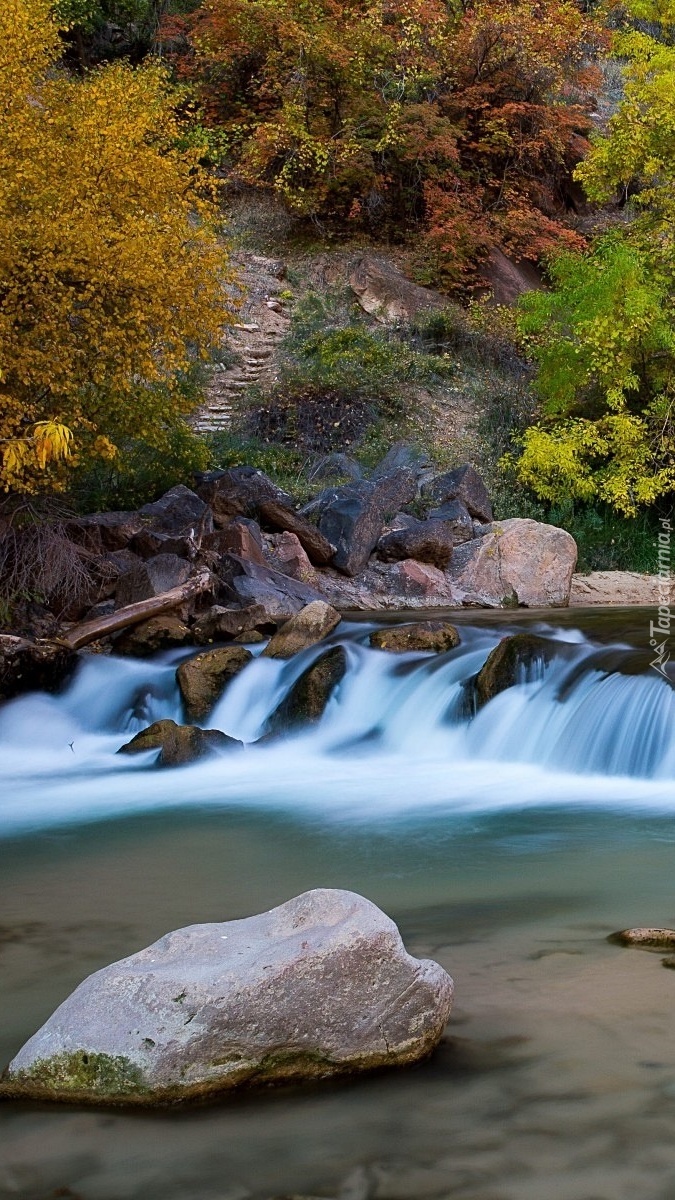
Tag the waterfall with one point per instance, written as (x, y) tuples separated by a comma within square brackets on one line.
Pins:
[(398, 736)]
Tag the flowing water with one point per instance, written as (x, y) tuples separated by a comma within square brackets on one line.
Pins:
[(506, 844)]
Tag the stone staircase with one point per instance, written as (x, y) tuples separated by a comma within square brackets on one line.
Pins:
[(251, 344)]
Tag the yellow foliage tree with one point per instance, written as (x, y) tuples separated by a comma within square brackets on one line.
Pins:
[(111, 275)]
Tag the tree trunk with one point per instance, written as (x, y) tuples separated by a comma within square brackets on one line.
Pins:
[(88, 631)]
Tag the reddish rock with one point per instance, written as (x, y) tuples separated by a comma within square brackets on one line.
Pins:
[(414, 579), (290, 558), (520, 562), (243, 537)]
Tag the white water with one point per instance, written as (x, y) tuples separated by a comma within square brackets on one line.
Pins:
[(395, 739)]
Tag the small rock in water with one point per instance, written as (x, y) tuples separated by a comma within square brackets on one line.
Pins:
[(646, 937), (311, 625), (179, 744), (319, 986), (203, 679), (306, 702), (437, 636)]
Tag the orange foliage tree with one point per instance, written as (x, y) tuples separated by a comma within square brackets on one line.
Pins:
[(465, 120)]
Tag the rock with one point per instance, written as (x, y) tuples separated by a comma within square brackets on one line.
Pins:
[(402, 454), (509, 663), (221, 624), (319, 986), (646, 938), (354, 518), (105, 531), (383, 291), (507, 279), (159, 633), (335, 465), (249, 583), (179, 744), (311, 625), (239, 492), (279, 516), (151, 578), (519, 562), (463, 484), (203, 679), (410, 580), (27, 666), (307, 699), (289, 557), (425, 541), (242, 537), (174, 524), (435, 636), (456, 516)]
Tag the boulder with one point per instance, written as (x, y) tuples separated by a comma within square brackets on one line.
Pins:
[(203, 679), (249, 583), (318, 987), (645, 938), (279, 516), (435, 636), (335, 465), (520, 562), (27, 666), (463, 484), (353, 519), (509, 664), (159, 633), (179, 744), (238, 492), (174, 524), (402, 454), (412, 581), (311, 625), (289, 557), (306, 701), (425, 541), (457, 517), (105, 531), (384, 291), (151, 578), (221, 624), (242, 537)]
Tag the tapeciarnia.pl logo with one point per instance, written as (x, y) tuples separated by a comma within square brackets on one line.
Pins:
[(659, 630)]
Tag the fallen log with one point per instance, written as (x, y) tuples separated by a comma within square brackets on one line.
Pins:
[(88, 631)]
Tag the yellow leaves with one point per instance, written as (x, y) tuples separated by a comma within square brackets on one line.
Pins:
[(52, 442)]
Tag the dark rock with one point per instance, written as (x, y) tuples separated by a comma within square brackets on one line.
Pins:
[(174, 524), (151, 578), (509, 663), (239, 492), (221, 624), (425, 541), (158, 633), (320, 986), (105, 531), (311, 625), (456, 515), (203, 679), (307, 699), (353, 520), (464, 484), (27, 666), (279, 516), (249, 583), (122, 561), (335, 465), (436, 636), (179, 744), (242, 537)]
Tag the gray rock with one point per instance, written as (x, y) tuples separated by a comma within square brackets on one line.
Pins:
[(335, 465), (179, 744), (239, 492), (151, 578), (354, 518), (174, 524), (464, 484), (456, 515), (383, 290), (311, 625), (402, 454), (105, 531), (249, 583), (425, 541), (319, 986), (203, 679)]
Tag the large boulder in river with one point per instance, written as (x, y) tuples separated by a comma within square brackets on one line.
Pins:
[(511, 662), (425, 541), (179, 744), (203, 679), (519, 562), (436, 636), (319, 986), (306, 701), (311, 625), (353, 516)]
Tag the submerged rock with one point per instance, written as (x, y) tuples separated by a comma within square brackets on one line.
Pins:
[(437, 636), (307, 699), (203, 679), (319, 986), (506, 664), (179, 744), (311, 625)]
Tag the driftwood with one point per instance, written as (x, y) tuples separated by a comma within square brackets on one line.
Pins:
[(88, 631)]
